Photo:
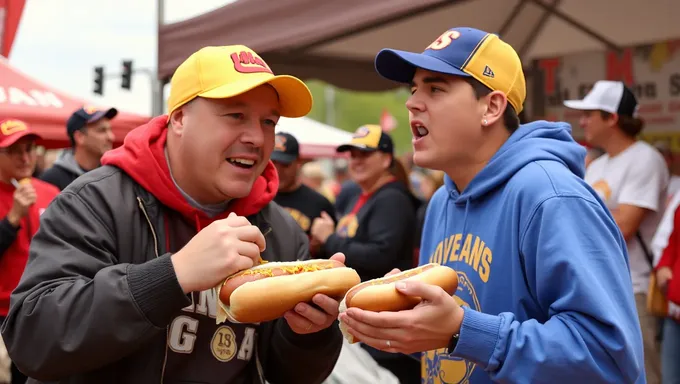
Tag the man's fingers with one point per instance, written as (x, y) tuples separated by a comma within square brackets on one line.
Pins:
[(326, 303), (371, 331), (234, 220), (379, 319), (252, 234), (297, 322), (311, 314), (338, 257), (242, 262), (374, 342), (249, 250), (427, 292), (393, 272)]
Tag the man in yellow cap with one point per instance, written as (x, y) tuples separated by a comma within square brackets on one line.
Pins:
[(119, 283)]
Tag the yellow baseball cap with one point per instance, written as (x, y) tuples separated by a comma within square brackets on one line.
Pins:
[(369, 138), (465, 52), (228, 71)]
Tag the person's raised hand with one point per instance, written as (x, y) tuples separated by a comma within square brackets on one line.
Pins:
[(219, 250), (322, 227), (24, 196)]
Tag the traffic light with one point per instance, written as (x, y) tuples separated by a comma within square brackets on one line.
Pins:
[(127, 74), (99, 80)]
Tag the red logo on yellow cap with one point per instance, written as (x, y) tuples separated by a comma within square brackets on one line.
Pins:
[(280, 143), (246, 62), (444, 40), (362, 131), (9, 127)]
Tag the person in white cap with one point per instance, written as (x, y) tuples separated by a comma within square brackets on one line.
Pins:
[(631, 178)]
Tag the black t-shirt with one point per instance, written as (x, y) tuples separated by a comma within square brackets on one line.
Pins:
[(305, 204)]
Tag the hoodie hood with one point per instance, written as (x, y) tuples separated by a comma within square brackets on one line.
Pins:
[(538, 140), (142, 156), (68, 162)]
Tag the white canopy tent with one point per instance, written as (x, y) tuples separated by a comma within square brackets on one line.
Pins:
[(316, 139)]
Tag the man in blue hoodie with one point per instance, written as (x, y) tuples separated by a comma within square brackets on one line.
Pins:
[(544, 291)]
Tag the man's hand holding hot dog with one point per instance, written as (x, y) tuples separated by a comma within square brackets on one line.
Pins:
[(222, 248), (430, 325), (307, 319)]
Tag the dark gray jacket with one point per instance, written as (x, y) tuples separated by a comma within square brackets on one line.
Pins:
[(99, 296)]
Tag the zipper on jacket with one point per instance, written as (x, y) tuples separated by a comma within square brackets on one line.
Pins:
[(148, 220), (155, 249)]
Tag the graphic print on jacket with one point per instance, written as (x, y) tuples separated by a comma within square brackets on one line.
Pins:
[(537, 279), (198, 350)]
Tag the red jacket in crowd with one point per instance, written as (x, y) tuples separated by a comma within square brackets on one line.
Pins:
[(670, 259)]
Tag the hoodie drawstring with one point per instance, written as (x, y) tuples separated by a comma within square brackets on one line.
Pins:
[(198, 222), (467, 208)]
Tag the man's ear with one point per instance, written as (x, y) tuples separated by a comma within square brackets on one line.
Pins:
[(612, 120), (176, 122), (387, 160), (496, 104), (79, 137)]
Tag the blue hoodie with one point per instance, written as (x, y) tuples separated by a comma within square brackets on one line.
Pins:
[(542, 267)]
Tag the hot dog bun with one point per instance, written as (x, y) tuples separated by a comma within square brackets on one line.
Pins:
[(265, 292), (381, 294)]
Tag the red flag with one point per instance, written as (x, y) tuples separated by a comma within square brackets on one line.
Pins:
[(10, 16), (387, 121)]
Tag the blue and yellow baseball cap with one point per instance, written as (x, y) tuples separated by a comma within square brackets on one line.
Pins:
[(465, 52), (369, 138)]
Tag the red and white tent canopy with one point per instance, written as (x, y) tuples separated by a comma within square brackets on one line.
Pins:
[(316, 139), (46, 110)]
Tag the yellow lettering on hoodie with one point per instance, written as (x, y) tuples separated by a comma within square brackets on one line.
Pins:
[(456, 246), (485, 270), (465, 252), (437, 256), (477, 251), (473, 252)]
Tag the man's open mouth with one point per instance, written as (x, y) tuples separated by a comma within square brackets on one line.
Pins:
[(241, 163)]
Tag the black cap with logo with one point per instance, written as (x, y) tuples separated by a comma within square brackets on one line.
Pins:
[(286, 148), (86, 115)]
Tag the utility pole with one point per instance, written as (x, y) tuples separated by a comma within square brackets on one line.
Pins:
[(157, 84)]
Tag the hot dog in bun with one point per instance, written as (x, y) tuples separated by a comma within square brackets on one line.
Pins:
[(382, 295), (266, 291)]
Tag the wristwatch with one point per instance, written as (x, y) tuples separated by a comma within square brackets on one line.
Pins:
[(452, 344)]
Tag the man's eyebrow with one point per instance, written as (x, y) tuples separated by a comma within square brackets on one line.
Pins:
[(431, 80), (240, 104)]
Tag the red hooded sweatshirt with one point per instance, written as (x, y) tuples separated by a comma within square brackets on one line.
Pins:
[(670, 259), (142, 156)]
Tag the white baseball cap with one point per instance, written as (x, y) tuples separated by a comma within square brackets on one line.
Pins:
[(608, 96)]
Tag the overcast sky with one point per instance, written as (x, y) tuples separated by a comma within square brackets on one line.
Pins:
[(59, 42)]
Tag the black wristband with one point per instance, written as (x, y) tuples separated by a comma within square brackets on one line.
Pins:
[(452, 344)]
